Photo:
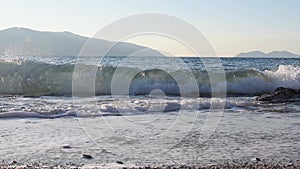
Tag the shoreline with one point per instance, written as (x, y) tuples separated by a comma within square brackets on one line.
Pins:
[(234, 164), (244, 165)]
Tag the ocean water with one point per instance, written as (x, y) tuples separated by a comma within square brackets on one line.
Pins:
[(146, 110)]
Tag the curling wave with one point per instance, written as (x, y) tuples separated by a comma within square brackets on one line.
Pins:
[(36, 79)]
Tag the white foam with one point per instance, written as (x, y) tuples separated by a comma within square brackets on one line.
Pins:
[(284, 76)]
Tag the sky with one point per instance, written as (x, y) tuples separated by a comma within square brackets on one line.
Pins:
[(231, 26)]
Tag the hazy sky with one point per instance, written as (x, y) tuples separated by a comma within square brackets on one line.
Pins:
[(232, 26)]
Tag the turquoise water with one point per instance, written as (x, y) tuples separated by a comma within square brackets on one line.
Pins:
[(38, 76)]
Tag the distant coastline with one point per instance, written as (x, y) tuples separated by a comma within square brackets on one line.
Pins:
[(28, 42), (273, 54)]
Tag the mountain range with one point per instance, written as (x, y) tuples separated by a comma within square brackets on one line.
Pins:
[(23, 41), (273, 54)]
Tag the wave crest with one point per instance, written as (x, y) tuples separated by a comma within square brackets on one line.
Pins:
[(36, 79)]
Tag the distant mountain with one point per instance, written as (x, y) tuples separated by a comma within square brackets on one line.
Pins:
[(283, 54), (22, 41)]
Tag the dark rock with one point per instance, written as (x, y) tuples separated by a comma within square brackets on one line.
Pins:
[(87, 156), (66, 147), (281, 94), (119, 162), (14, 162), (256, 159)]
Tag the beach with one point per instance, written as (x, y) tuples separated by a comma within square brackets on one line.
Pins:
[(156, 124)]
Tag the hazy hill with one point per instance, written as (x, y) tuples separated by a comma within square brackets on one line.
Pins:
[(22, 41), (282, 54)]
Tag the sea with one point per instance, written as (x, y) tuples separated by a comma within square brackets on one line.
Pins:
[(139, 111)]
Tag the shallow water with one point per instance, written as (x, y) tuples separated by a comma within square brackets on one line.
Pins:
[(167, 139)]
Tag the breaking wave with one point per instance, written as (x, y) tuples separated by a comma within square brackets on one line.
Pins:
[(36, 79)]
